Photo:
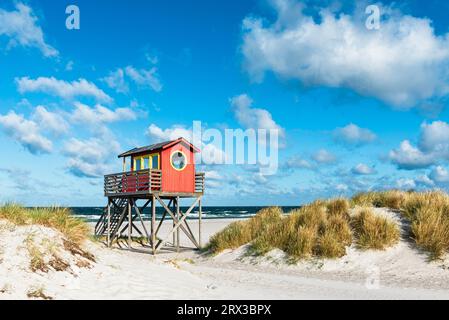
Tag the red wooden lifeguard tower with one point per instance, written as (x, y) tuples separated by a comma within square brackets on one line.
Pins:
[(163, 172)]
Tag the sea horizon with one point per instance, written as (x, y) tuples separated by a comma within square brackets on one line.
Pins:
[(92, 214)]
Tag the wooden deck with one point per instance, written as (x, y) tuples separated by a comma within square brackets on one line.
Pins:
[(145, 183)]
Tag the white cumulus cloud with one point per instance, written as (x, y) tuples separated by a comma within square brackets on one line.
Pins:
[(254, 118), (363, 170), (296, 162), (323, 156), (405, 184), (50, 121), (210, 153), (402, 63), (22, 28), (26, 132), (173, 133), (116, 80), (61, 88), (100, 114), (119, 79), (435, 137), (353, 135), (409, 157), (145, 78), (439, 175), (432, 148), (89, 158)]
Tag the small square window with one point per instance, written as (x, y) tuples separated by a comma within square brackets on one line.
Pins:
[(138, 164), (155, 162), (146, 163)]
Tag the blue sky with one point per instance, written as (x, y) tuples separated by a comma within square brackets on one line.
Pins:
[(361, 109)]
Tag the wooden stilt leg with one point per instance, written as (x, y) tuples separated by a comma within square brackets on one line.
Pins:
[(174, 222), (200, 217), (153, 223), (177, 218), (109, 223), (129, 223)]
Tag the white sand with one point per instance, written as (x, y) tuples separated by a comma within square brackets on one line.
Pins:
[(401, 272)]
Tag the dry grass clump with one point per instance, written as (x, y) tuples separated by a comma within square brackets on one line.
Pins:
[(60, 219), (295, 234), (364, 199), (428, 213), (37, 261), (429, 216), (59, 264), (45, 254), (242, 232), (319, 229), (373, 231), (323, 228), (338, 207), (418, 200), (75, 249), (393, 199), (38, 293)]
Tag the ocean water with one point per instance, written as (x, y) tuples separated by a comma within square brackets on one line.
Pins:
[(92, 214)]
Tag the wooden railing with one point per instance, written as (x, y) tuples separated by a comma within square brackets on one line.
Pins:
[(200, 179), (144, 181)]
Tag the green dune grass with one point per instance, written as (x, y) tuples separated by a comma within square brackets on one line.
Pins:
[(326, 228)]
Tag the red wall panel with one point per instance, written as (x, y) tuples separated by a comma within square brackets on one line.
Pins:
[(174, 180)]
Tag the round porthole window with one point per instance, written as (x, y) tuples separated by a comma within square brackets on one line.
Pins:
[(178, 160)]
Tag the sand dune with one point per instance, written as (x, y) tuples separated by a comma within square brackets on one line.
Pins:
[(401, 272)]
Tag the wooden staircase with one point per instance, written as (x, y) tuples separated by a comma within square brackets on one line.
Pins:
[(118, 213)]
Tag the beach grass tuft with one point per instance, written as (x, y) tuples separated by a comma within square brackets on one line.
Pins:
[(429, 216), (393, 199), (318, 229), (364, 199), (38, 293), (61, 219), (373, 231), (242, 232), (338, 207), (37, 261), (43, 256)]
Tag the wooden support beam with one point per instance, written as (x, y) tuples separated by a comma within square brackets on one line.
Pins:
[(129, 223), (133, 226), (141, 219), (177, 219), (163, 218), (192, 236), (189, 235), (178, 223), (200, 216), (109, 223), (153, 222), (120, 209), (145, 205), (174, 222)]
